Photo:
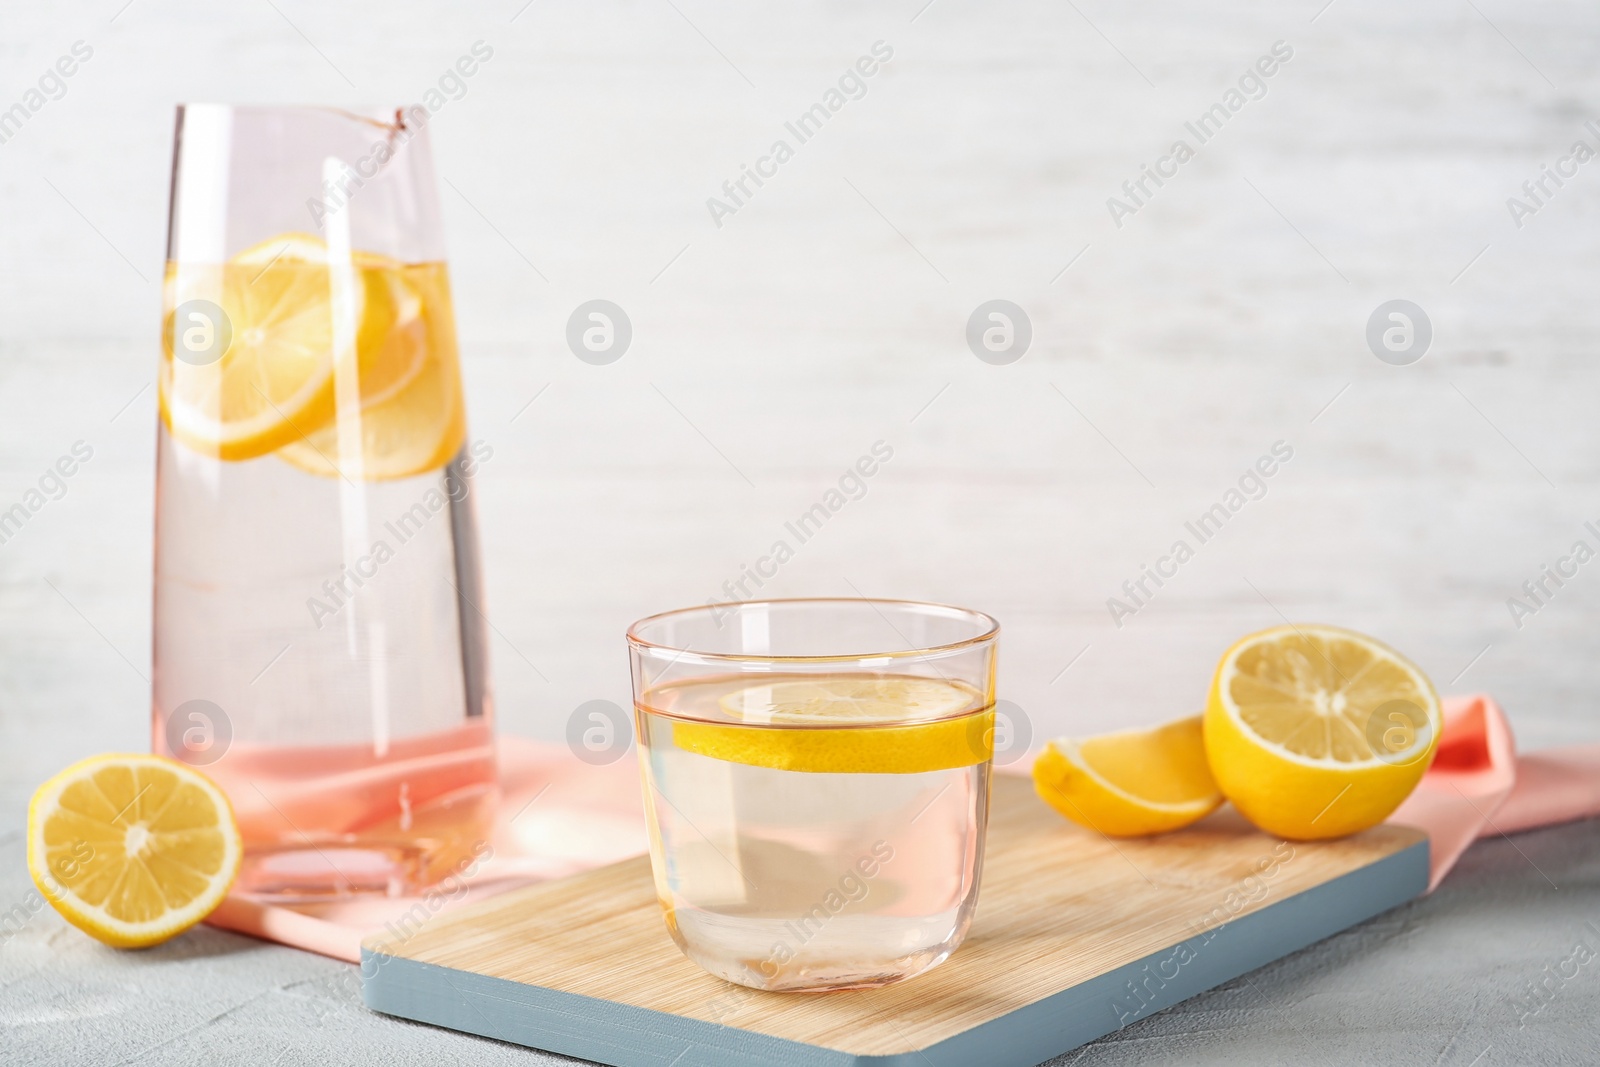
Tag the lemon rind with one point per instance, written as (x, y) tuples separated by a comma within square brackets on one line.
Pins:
[(808, 750)]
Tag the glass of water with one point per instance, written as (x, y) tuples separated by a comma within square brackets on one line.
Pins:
[(816, 778)]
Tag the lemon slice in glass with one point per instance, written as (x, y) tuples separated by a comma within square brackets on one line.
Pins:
[(853, 724), (846, 700), (411, 416), (259, 375)]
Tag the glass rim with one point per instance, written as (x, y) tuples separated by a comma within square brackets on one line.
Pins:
[(361, 113), (990, 632)]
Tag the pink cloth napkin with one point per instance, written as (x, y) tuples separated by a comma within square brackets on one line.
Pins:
[(1479, 787), (559, 816)]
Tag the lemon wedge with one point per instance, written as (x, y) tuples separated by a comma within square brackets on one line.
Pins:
[(1130, 783), (132, 849), (851, 724), (1318, 731)]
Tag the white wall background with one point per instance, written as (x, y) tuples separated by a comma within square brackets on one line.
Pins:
[(830, 313)]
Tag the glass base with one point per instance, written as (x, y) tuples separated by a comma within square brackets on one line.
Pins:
[(805, 956), (331, 872), (825, 976), (330, 822)]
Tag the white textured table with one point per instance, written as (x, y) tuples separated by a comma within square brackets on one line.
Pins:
[(828, 312)]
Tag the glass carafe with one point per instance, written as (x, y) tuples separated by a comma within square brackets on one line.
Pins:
[(318, 635)]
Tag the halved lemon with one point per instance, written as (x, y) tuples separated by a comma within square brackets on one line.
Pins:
[(848, 725), (1317, 731), (132, 849), (1130, 783)]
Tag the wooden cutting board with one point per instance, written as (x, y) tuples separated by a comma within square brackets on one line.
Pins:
[(1076, 935)]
